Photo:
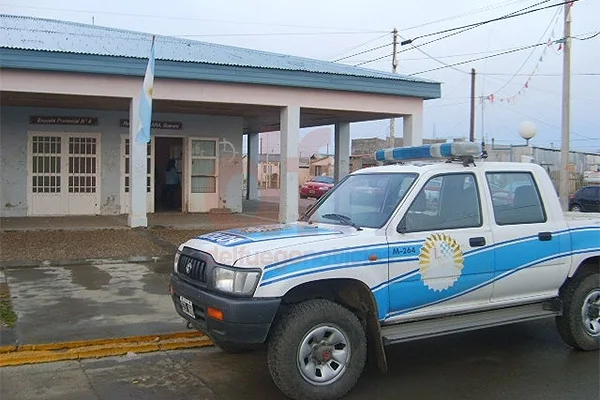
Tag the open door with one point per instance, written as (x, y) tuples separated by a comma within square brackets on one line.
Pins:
[(202, 174)]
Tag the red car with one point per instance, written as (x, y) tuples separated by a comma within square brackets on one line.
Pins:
[(316, 187)]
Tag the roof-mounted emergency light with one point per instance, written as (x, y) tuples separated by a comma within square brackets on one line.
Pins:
[(456, 150)]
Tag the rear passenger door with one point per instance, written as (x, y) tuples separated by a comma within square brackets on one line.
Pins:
[(527, 244), (436, 264)]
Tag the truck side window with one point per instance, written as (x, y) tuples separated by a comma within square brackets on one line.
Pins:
[(516, 198), (445, 202)]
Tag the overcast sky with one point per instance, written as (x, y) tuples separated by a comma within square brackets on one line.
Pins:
[(333, 29)]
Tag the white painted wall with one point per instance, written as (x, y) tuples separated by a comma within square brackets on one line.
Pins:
[(14, 125)]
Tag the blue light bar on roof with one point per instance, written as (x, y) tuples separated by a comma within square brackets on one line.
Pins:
[(436, 150)]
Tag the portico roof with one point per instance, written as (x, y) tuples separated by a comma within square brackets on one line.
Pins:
[(29, 43)]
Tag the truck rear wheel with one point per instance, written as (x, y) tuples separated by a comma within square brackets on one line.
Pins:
[(579, 326), (317, 351)]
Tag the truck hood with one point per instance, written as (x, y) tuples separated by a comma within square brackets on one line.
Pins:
[(228, 246)]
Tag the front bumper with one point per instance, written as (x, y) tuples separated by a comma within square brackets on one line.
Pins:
[(245, 320)]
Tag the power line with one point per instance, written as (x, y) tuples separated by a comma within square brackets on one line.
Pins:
[(553, 20), (244, 22), (364, 51), (277, 34), (514, 13), (438, 60), (476, 11), (360, 45), (480, 58), (587, 38), (519, 13)]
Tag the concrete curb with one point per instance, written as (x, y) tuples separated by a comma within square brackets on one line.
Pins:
[(76, 350), (87, 261)]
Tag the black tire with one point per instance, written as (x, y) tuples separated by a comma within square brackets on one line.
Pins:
[(232, 348), (290, 332), (570, 324), (576, 208)]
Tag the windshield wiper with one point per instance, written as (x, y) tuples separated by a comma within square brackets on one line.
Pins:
[(344, 219)]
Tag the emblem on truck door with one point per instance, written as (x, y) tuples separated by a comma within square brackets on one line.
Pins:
[(440, 262)]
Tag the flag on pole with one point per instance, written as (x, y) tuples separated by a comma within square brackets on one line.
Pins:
[(145, 102)]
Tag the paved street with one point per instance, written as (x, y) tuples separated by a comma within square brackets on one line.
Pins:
[(524, 361)]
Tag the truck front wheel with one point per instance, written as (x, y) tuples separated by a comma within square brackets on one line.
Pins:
[(317, 351), (579, 326)]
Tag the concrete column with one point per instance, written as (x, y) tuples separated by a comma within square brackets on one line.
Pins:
[(252, 178), (342, 151), (289, 192), (413, 129), (137, 171)]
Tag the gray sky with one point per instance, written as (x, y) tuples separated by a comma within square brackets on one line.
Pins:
[(333, 29)]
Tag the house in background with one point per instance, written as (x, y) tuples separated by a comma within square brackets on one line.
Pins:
[(268, 173), (321, 165)]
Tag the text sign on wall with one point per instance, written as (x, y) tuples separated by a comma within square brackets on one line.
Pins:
[(53, 120), (124, 123)]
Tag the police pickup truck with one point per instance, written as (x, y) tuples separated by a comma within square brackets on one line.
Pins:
[(391, 254)]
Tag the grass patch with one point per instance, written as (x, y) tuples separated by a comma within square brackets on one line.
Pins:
[(8, 317)]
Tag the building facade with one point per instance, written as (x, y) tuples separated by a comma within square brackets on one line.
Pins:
[(69, 98)]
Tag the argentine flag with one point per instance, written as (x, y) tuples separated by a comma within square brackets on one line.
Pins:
[(145, 104)]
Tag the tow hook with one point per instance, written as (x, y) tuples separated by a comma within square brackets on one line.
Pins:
[(189, 325)]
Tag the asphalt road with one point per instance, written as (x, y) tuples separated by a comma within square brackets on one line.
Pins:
[(523, 361)]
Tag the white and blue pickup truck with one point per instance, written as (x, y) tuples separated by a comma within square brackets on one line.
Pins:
[(391, 254)]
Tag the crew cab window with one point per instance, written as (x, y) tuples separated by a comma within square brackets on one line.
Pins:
[(445, 202), (515, 198)]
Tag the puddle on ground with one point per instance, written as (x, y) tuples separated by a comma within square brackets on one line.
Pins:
[(89, 276)]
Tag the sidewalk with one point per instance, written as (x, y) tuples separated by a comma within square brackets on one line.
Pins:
[(83, 302)]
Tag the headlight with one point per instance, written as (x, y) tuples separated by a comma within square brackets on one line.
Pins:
[(235, 281), (176, 260)]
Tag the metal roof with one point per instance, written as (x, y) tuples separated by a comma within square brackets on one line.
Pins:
[(38, 34)]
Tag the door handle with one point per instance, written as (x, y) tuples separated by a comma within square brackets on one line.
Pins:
[(545, 236), (477, 241)]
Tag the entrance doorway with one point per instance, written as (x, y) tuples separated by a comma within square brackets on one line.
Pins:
[(168, 168)]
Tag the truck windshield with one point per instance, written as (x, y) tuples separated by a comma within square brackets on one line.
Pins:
[(362, 200)]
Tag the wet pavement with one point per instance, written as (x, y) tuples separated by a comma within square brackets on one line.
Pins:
[(97, 301), (524, 361)]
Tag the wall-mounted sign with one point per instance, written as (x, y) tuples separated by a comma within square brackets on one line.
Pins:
[(124, 123), (52, 120)]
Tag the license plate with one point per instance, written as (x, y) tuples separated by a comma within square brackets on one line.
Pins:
[(312, 192), (187, 306)]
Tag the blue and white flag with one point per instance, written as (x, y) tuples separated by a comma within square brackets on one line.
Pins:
[(145, 103)]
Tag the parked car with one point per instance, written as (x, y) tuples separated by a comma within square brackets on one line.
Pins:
[(586, 199), (316, 187)]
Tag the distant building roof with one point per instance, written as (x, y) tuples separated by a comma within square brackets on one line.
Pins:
[(62, 39)]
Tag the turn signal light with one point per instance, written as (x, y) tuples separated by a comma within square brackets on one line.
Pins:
[(214, 313)]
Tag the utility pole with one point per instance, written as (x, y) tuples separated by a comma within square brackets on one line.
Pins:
[(394, 68), (564, 182), (472, 127)]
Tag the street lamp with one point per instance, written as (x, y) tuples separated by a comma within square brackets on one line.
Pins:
[(527, 131)]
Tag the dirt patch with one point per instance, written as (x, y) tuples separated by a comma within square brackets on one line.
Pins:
[(69, 245), (177, 236)]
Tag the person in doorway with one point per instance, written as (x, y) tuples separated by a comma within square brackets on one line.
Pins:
[(171, 183)]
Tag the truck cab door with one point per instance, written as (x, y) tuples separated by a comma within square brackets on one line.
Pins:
[(436, 262), (528, 242)]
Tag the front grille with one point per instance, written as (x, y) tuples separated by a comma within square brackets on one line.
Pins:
[(192, 268)]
